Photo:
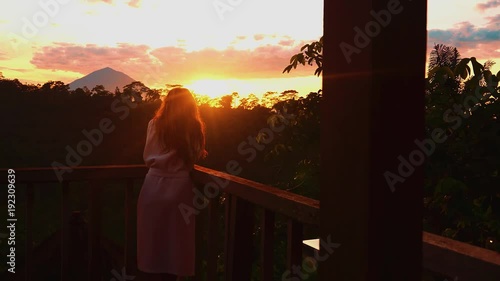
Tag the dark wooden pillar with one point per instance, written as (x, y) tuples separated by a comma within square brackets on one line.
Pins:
[(372, 112)]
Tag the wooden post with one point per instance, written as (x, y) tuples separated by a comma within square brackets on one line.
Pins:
[(372, 112)]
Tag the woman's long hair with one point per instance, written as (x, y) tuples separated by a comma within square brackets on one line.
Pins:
[(179, 125)]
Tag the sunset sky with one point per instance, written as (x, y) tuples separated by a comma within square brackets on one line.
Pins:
[(243, 48)]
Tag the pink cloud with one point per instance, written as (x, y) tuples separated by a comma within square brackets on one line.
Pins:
[(287, 43), (135, 3), (470, 40), (488, 5), (86, 58), (170, 64)]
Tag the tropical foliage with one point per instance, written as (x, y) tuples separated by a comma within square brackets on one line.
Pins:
[(462, 190)]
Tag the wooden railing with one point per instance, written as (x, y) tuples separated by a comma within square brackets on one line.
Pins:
[(242, 199)]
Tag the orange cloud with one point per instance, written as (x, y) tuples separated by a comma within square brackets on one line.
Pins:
[(169, 64)]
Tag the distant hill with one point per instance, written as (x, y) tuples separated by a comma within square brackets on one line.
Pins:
[(107, 77)]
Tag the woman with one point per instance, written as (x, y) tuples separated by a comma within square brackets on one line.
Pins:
[(175, 141)]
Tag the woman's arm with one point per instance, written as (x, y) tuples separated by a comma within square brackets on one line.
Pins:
[(147, 146)]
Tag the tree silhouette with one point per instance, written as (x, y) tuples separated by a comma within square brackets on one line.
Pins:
[(55, 88), (135, 91), (226, 101), (100, 91), (442, 55), (288, 94), (202, 100), (250, 102), (79, 92), (269, 98), (153, 95)]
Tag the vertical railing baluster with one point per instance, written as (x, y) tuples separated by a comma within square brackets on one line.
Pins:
[(266, 246), (227, 233), (94, 230), (294, 243), (29, 231), (130, 228), (240, 240), (65, 216), (213, 227), (200, 221)]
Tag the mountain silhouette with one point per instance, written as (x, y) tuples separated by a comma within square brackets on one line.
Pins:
[(107, 77)]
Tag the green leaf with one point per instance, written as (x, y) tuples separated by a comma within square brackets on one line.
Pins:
[(468, 71), (301, 59), (487, 75), (491, 80), (441, 70), (461, 68), (489, 211), (287, 69), (478, 68), (450, 185)]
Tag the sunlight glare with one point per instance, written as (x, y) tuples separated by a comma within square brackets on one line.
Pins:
[(210, 87)]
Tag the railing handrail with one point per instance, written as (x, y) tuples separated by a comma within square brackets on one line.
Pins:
[(298, 207), (301, 208)]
